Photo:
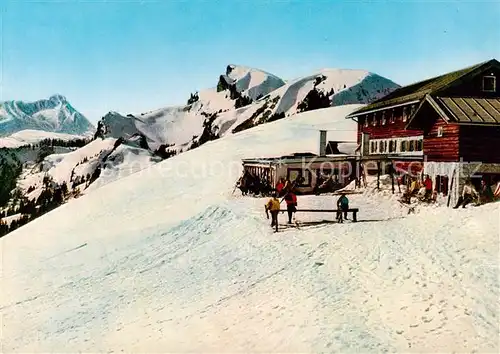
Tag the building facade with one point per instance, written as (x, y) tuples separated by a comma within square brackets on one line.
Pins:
[(447, 127)]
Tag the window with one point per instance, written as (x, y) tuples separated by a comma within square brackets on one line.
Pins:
[(440, 132), (383, 118), (412, 145), (392, 146), (412, 109), (403, 146), (405, 114), (294, 173), (489, 83), (420, 145), (392, 116)]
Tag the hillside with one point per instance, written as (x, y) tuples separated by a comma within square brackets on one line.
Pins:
[(27, 137), (51, 115), (168, 259), (40, 176), (245, 97)]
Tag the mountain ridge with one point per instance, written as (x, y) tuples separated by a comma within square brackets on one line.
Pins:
[(245, 97), (54, 114)]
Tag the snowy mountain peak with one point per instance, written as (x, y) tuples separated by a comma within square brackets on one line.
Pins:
[(57, 98), (54, 114), (247, 81)]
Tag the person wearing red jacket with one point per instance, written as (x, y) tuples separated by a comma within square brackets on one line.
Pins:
[(428, 186), (291, 205), (280, 186)]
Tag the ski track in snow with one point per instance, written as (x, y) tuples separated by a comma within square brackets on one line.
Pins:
[(198, 284), (142, 264)]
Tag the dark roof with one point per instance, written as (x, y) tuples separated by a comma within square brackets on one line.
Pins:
[(419, 90), (280, 158), (471, 110)]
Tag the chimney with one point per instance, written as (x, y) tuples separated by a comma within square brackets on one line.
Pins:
[(322, 143)]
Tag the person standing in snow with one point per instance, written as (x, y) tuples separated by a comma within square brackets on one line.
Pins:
[(280, 186), (469, 194), (273, 206), (428, 187), (291, 205), (342, 207)]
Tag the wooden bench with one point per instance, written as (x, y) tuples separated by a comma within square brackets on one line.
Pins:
[(354, 211)]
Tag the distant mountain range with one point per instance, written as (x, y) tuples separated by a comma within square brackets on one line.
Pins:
[(245, 97), (51, 115)]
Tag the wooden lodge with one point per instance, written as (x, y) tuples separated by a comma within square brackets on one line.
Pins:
[(447, 127), (330, 161), (309, 166)]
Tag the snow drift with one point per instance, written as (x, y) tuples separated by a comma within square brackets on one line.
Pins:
[(177, 263)]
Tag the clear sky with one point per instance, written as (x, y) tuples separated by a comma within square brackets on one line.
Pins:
[(134, 56)]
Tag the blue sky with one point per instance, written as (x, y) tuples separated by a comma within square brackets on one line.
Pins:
[(134, 56)]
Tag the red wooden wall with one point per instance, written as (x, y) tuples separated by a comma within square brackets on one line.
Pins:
[(389, 130), (445, 148)]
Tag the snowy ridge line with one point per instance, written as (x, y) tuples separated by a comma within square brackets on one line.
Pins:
[(245, 98)]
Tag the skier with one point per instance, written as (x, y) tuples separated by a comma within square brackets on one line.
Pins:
[(342, 207), (273, 205), (291, 205)]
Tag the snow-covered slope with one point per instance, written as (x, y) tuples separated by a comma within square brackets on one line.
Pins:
[(243, 98), (77, 169), (122, 162), (177, 263), (27, 137), (52, 115)]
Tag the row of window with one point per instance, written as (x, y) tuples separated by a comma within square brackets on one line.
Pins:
[(306, 174), (392, 146), (389, 116)]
